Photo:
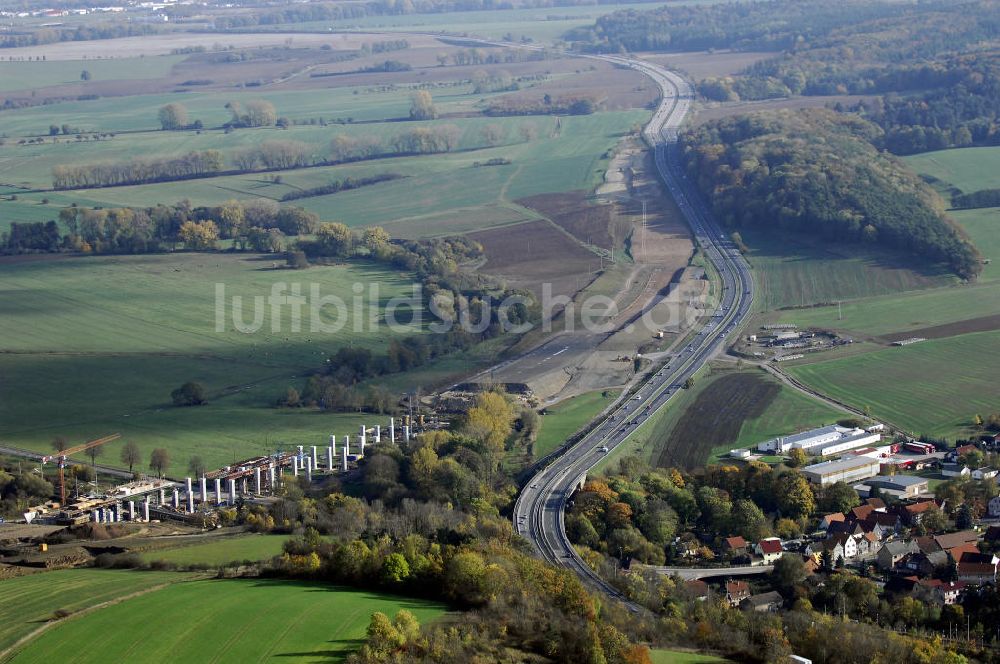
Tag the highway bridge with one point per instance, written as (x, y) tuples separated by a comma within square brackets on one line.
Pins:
[(539, 511)]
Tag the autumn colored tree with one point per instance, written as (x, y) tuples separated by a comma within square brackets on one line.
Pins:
[(422, 106)]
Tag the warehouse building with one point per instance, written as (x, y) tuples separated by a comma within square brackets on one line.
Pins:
[(825, 441), (849, 469)]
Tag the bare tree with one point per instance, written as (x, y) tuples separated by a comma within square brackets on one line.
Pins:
[(196, 466), (131, 455), (159, 461)]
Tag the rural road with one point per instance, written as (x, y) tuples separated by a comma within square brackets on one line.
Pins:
[(539, 511)]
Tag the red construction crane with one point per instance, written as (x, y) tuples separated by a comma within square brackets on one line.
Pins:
[(61, 457)]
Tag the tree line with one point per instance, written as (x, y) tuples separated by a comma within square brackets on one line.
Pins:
[(138, 171), (347, 381), (257, 225), (817, 172), (271, 155), (336, 186), (53, 35)]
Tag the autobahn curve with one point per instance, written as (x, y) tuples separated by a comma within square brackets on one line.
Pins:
[(540, 508)]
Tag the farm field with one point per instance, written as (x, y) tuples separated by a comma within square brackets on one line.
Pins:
[(723, 411), (108, 338), (933, 387), (792, 273), (969, 169), (720, 411), (442, 194), (35, 74), (220, 550), (27, 602), (564, 419), (224, 620), (904, 312)]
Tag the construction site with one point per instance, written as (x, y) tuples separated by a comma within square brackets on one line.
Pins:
[(194, 500)]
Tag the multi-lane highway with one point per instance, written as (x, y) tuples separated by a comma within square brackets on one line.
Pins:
[(538, 513)]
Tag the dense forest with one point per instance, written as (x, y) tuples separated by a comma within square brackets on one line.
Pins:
[(772, 25), (817, 172), (934, 65)]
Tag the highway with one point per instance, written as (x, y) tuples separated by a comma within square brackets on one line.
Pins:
[(539, 511)]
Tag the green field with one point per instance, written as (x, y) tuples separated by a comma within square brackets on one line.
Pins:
[(443, 194), (90, 346), (796, 273), (902, 312), (224, 621), (969, 169), (564, 419), (35, 74), (220, 550), (983, 226), (27, 602), (933, 387), (661, 656)]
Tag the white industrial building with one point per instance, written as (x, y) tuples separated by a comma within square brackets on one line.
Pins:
[(849, 469), (824, 441)]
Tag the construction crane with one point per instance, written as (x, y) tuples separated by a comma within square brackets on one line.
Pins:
[(60, 457)]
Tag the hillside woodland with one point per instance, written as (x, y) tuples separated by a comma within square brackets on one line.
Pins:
[(816, 172)]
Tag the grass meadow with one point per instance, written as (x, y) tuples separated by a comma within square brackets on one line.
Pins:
[(969, 169), (795, 273), (567, 417), (223, 621), (661, 656), (26, 602), (220, 550)]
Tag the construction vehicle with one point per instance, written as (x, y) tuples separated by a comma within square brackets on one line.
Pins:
[(60, 458)]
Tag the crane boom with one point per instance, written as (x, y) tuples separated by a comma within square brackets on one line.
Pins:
[(76, 449)]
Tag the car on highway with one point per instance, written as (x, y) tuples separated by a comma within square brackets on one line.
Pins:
[(603, 449)]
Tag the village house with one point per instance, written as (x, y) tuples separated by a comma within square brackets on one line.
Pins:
[(942, 592), (734, 547), (984, 473), (978, 568), (955, 470), (912, 514), (994, 507), (698, 589), (925, 564), (830, 519), (763, 603), (736, 592), (769, 550), (892, 553), (949, 541)]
